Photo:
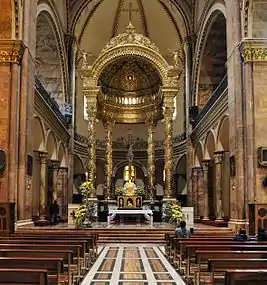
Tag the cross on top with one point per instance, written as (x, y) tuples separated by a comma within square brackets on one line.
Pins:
[(130, 10)]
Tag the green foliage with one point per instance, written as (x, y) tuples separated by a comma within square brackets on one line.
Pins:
[(174, 212), (85, 209), (119, 191), (139, 191)]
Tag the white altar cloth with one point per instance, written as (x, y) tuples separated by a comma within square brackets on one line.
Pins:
[(147, 213)]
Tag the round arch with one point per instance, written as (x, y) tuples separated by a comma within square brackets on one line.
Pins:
[(51, 146), (125, 163), (62, 155), (199, 154), (215, 9), (39, 134), (48, 19), (209, 146), (222, 142)]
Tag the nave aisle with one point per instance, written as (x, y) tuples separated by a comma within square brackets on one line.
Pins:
[(126, 264)]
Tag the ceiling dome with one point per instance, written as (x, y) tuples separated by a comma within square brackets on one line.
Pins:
[(130, 76)]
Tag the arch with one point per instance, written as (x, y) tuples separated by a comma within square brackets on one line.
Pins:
[(125, 163), (78, 165), (48, 16), (51, 146), (62, 155), (222, 142), (209, 146), (181, 175), (39, 134), (199, 154), (108, 57), (214, 9)]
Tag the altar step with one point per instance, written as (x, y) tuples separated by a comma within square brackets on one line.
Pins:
[(132, 236)]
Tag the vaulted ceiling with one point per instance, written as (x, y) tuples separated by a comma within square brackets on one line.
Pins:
[(97, 21)]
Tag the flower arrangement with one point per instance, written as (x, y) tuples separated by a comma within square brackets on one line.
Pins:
[(85, 210), (173, 212), (139, 191), (119, 191)]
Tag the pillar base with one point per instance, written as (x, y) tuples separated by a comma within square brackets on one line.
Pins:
[(219, 219), (206, 219), (236, 224)]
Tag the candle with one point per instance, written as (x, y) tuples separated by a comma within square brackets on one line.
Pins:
[(86, 175)]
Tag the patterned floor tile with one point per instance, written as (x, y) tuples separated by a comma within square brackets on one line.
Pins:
[(157, 265), (163, 276), (133, 276), (150, 253), (166, 283), (132, 283), (112, 253), (132, 265), (99, 283), (131, 253), (104, 276), (107, 265)]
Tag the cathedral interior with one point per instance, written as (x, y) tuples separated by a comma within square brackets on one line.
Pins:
[(178, 84)]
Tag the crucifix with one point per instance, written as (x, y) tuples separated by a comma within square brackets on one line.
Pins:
[(130, 10)]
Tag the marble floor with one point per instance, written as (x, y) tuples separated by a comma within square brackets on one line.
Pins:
[(127, 264)]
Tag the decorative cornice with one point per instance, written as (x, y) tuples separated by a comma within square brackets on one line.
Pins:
[(11, 51), (253, 50)]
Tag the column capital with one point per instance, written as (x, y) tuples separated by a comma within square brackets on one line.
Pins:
[(218, 157), (42, 155), (196, 170), (55, 164), (108, 124), (205, 164), (11, 51), (253, 50)]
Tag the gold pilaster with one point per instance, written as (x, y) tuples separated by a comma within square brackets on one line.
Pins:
[(11, 51), (253, 50), (205, 168), (43, 183), (109, 165), (219, 159), (151, 158)]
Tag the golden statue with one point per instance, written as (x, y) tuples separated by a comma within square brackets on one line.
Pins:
[(129, 188)]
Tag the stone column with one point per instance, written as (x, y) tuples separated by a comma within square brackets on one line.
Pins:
[(109, 165), (151, 159), (205, 169), (55, 166), (218, 159), (168, 141), (236, 114), (43, 183), (196, 172), (91, 109), (62, 187)]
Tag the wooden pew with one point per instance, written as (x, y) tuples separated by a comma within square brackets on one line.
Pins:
[(191, 249), (245, 277), (15, 276), (217, 267), (75, 248), (66, 255), (203, 257), (54, 266), (66, 232)]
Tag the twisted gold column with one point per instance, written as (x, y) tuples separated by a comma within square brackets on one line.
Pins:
[(168, 156), (151, 159), (92, 112), (108, 128)]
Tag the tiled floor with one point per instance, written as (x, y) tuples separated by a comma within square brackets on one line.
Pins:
[(127, 264)]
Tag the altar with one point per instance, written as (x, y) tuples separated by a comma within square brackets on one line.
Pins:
[(148, 214)]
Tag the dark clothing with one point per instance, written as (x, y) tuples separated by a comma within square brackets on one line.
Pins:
[(242, 237), (54, 211), (182, 233)]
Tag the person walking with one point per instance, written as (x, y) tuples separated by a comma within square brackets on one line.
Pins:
[(54, 211)]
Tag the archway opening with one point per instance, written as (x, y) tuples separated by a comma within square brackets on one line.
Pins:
[(180, 180), (214, 57), (48, 62)]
